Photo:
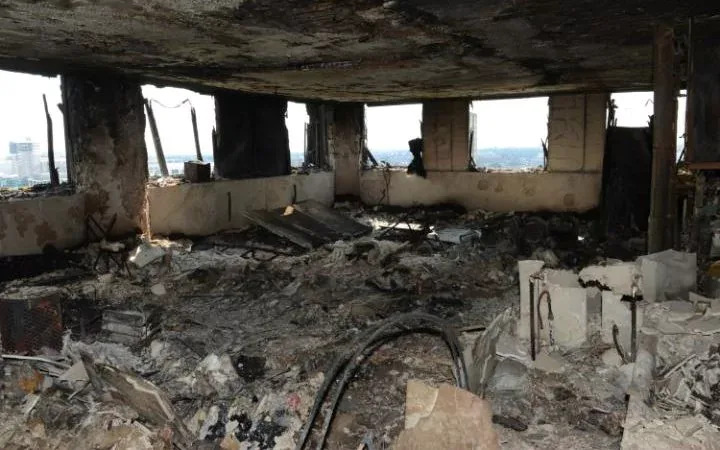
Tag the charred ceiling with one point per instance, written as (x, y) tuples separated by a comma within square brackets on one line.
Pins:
[(367, 50)]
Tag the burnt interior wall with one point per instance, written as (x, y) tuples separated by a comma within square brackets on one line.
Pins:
[(703, 102), (252, 138), (626, 179), (347, 143), (106, 131)]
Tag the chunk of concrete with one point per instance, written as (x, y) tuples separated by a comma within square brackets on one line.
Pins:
[(669, 274), (623, 278), (509, 375), (617, 312), (452, 418), (526, 269), (705, 305), (569, 306), (679, 310), (549, 363)]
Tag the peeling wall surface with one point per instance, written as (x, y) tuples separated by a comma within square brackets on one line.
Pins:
[(206, 208), (494, 191), (27, 226)]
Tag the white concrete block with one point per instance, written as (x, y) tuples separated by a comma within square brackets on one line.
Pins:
[(619, 277), (667, 275), (569, 305), (617, 312), (525, 270)]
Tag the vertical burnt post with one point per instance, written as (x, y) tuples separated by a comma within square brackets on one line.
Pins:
[(193, 117), (156, 139), (661, 222), (54, 177)]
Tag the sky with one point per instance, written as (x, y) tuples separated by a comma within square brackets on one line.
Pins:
[(388, 127)]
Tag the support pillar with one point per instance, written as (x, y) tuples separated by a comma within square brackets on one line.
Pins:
[(106, 131), (348, 142), (252, 139), (446, 133), (661, 223), (316, 134)]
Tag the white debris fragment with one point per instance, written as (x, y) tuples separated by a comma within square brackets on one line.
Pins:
[(158, 289), (550, 363), (455, 235), (114, 247), (214, 374), (146, 253)]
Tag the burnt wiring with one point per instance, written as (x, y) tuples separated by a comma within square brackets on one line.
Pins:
[(348, 362)]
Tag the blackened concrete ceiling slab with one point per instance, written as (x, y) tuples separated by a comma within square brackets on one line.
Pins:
[(365, 50)]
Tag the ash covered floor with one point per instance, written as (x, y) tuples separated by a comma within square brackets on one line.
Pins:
[(236, 332)]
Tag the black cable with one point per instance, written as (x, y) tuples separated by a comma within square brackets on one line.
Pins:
[(384, 331)]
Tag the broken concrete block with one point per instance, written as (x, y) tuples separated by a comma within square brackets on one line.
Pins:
[(484, 359), (419, 401), (705, 325), (669, 274), (569, 306), (453, 418), (705, 305), (617, 312), (526, 269), (509, 375), (610, 357), (679, 310), (550, 363), (622, 278)]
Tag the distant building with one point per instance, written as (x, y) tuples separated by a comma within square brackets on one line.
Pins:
[(25, 159), (23, 147)]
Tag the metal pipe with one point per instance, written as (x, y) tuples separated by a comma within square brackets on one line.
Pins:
[(156, 139), (532, 319), (193, 118)]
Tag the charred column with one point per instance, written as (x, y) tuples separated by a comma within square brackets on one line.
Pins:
[(660, 223), (106, 130), (348, 142), (703, 147), (252, 139)]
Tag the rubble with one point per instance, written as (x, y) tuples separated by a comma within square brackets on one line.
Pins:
[(228, 340)]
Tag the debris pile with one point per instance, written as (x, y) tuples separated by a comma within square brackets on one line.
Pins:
[(230, 340), (692, 385)]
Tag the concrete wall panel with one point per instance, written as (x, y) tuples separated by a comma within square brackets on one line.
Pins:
[(206, 208), (26, 226), (494, 191)]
